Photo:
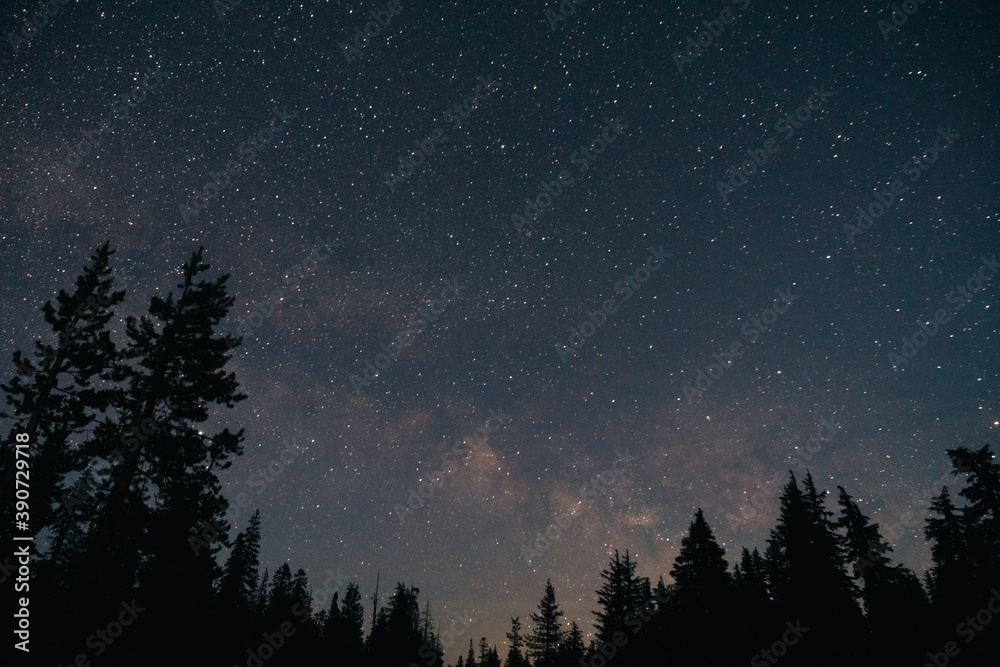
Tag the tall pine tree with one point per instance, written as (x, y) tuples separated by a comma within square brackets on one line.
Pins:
[(545, 639)]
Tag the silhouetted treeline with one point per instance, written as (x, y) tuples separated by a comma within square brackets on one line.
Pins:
[(124, 486)]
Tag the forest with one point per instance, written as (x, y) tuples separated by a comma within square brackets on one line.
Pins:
[(123, 483)]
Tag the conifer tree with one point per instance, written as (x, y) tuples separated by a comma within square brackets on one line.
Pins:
[(545, 639), (239, 578), (622, 595), (59, 397), (572, 650), (470, 659), (515, 642), (174, 372), (949, 578), (981, 515), (808, 578), (701, 570)]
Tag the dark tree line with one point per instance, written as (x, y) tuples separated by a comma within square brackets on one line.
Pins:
[(124, 482)]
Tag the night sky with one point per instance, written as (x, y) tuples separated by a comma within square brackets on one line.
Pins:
[(576, 169)]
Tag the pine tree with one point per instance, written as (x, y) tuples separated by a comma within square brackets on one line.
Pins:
[(353, 615), (515, 642), (239, 578), (808, 578), (894, 601), (263, 601), (949, 578), (622, 595), (750, 578), (300, 590), (484, 651), (572, 650), (661, 596), (175, 372), (59, 399), (701, 571), (470, 659), (981, 516), (281, 596), (544, 641)]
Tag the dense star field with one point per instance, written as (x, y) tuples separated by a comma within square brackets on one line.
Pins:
[(522, 283)]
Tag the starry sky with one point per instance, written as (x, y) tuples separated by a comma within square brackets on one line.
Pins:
[(474, 187)]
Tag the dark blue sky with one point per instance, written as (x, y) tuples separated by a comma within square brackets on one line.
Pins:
[(287, 139)]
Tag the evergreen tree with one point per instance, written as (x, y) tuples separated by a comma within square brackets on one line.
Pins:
[(701, 571), (894, 600), (239, 577), (750, 578), (484, 651), (164, 492), (353, 615), (661, 596), (949, 578), (515, 642), (981, 516), (470, 659), (622, 595), (263, 594), (300, 589), (572, 650), (544, 641), (808, 578), (59, 399), (396, 638), (281, 596)]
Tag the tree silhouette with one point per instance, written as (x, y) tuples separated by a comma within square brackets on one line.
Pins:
[(515, 657), (622, 595), (545, 639), (701, 571), (60, 398), (239, 578), (807, 573)]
